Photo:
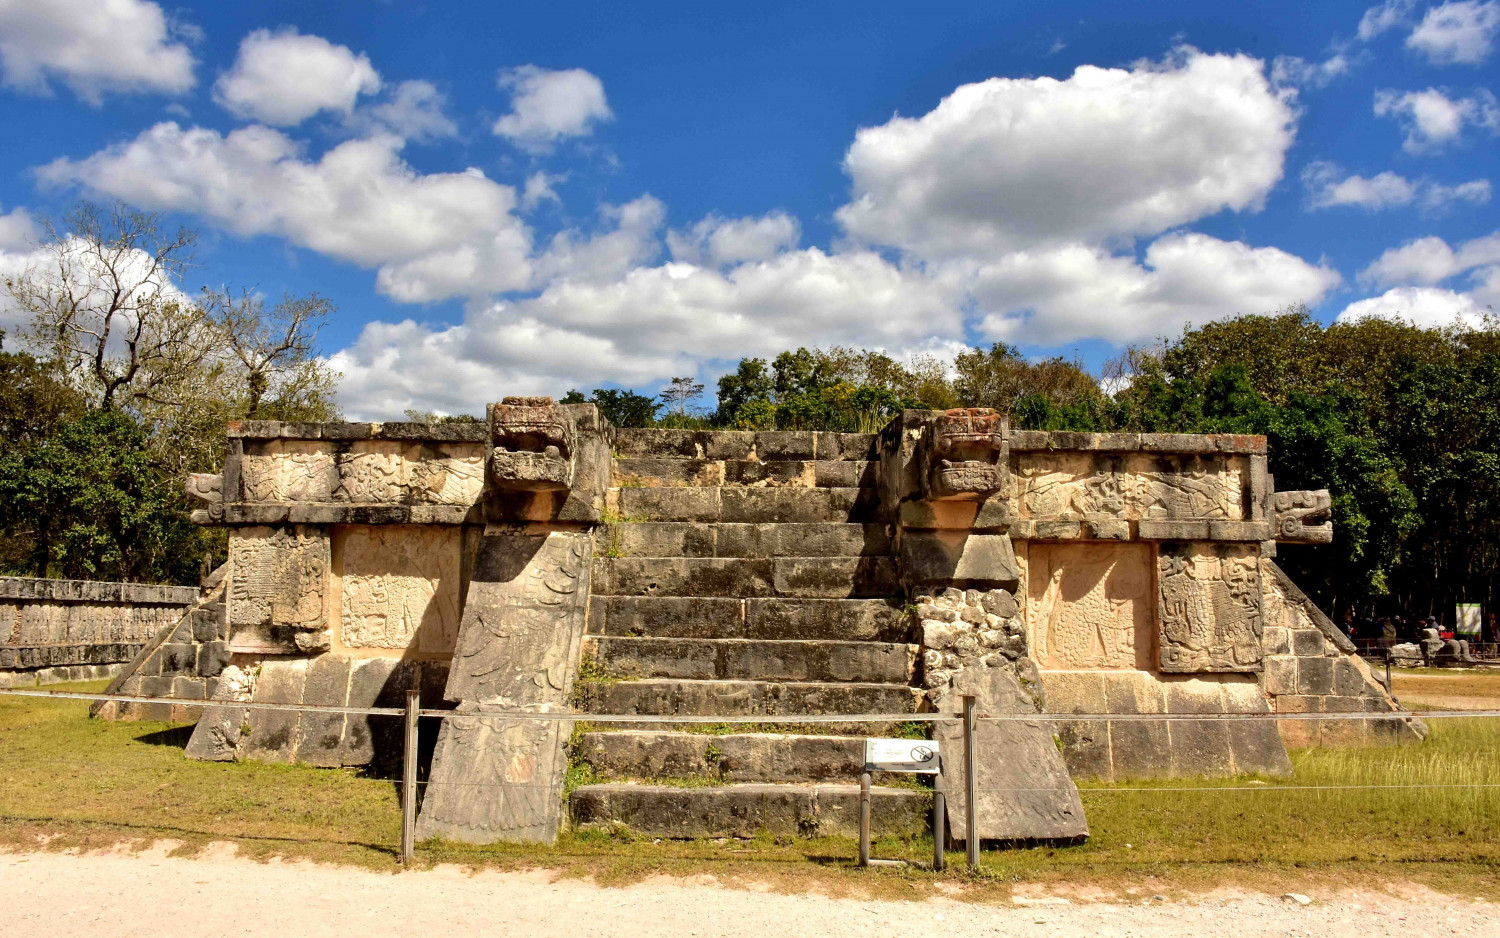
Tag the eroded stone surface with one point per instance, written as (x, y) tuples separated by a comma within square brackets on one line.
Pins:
[(496, 776), (278, 586), (1024, 790), (399, 587), (1131, 486), (1090, 604)]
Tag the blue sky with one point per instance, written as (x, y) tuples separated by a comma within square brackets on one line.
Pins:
[(514, 199)]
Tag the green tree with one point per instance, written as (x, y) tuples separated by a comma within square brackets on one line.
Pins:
[(88, 503), (1053, 394), (619, 407)]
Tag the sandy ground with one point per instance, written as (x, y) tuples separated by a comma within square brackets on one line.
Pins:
[(150, 894)]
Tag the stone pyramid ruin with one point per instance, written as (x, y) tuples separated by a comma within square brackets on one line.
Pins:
[(546, 563)]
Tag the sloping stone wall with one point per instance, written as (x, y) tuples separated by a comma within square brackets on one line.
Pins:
[(182, 661), (1312, 667), (78, 630)]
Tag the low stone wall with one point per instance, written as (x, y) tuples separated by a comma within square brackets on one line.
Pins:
[(78, 630)]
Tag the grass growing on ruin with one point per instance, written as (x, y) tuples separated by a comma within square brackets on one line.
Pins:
[(70, 782)]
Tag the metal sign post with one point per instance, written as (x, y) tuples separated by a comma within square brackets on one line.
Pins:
[(971, 785), (900, 755)]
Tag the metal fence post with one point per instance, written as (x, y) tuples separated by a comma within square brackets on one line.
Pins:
[(939, 819), (864, 818), (971, 785), (409, 778)]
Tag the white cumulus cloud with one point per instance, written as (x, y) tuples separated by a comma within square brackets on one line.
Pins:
[(1328, 186), (550, 105), (716, 242), (1008, 163), (652, 322), (413, 110), (1429, 307), (94, 47), (1432, 119), (1431, 260), (282, 78), (1059, 295), (431, 235), (1459, 33)]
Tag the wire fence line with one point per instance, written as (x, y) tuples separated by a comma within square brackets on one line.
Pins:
[(966, 767), (560, 716)]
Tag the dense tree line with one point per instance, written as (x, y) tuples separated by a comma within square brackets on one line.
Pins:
[(120, 384)]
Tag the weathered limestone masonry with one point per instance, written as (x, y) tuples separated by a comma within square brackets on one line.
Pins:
[(1150, 588), (349, 550), (544, 562), (79, 630), (183, 660)]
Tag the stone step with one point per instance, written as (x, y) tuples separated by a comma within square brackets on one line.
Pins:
[(763, 445), (699, 617), (747, 504), (743, 578), (678, 697), (754, 659), (703, 539), (804, 473), (747, 810), (731, 757)]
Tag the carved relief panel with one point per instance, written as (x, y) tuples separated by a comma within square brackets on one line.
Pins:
[(363, 472), (289, 471), (523, 619), (1210, 607), (278, 580), (1075, 485), (1089, 604), (399, 587)]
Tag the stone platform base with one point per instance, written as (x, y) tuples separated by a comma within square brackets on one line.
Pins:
[(746, 810), (1116, 751)]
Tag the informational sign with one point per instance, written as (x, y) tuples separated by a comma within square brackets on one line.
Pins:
[(1468, 621), (901, 755)]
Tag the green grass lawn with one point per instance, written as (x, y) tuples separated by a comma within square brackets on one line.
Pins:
[(68, 781)]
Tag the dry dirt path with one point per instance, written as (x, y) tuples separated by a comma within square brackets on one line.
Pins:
[(150, 894)]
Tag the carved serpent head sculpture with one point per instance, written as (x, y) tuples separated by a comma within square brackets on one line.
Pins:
[(533, 445)]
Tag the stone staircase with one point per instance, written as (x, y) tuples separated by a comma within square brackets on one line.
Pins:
[(743, 574)]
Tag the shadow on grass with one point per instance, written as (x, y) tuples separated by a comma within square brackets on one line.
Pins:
[(176, 737)]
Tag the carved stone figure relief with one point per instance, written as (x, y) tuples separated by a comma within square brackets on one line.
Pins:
[(533, 445), (1059, 486), (523, 619), (1089, 604), (399, 587), (278, 579), (445, 479), (371, 473), (1303, 517), (1210, 607), (495, 778), (289, 471)]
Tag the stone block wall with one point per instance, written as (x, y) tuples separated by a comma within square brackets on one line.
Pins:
[(183, 661), (78, 630), (1312, 667)]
